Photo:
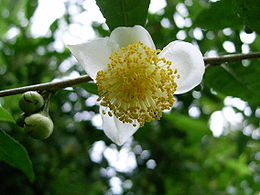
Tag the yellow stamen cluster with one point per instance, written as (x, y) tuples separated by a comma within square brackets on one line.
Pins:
[(138, 85)]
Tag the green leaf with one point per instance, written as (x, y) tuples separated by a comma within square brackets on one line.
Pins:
[(248, 11), (217, 16), (5, 115), (235, 80), (123, 12), (30, 8), (195, 128), (13, 153), (90, 87)]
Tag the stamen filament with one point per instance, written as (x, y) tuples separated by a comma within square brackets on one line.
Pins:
[(138, 85)]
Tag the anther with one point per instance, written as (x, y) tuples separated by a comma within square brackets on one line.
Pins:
[(138, 85)]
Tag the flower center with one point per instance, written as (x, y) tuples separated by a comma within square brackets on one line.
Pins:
[(138, 85)]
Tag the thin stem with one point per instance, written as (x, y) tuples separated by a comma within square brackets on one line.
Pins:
[(47, 101), (53, 86), (50, 86), (230, 58)]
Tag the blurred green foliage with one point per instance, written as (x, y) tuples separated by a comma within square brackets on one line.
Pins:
[(124, 13), (176, 155)]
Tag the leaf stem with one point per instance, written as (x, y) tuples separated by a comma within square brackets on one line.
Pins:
[(53, 86), (124, 12), (47, 100)]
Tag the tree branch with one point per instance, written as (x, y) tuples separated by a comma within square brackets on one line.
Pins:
[(230, 58), (52, 86)]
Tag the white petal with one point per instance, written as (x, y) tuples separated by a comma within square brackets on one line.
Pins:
[(129, 35), (189, 62), (116, 130), (94, 55)]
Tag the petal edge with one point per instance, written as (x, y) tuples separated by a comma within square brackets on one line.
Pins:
[(129, 35), (116, 130), (94, 55), (189, 62)]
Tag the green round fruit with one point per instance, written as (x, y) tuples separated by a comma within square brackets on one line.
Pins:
[(38, 126), (31, 102)]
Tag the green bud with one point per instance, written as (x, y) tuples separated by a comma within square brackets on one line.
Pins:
[(31, 102), (38, 126), (20, 120)]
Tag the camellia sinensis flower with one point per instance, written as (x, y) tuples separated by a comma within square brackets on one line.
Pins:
[(135, 81)]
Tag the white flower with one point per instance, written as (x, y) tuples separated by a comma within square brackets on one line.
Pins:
[(136, 82)]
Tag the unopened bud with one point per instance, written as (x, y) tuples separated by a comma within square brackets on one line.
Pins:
[(31, 102), (38, 126)]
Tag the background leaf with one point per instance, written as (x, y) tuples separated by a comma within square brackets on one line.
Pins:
[(248, 11), (233, 79), (123, 12), (13, 153), (90, 87), (218, 15), (195, 128), (5, 115)]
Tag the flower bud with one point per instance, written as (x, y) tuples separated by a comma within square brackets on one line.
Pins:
[(31, 102), (38, 126)]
